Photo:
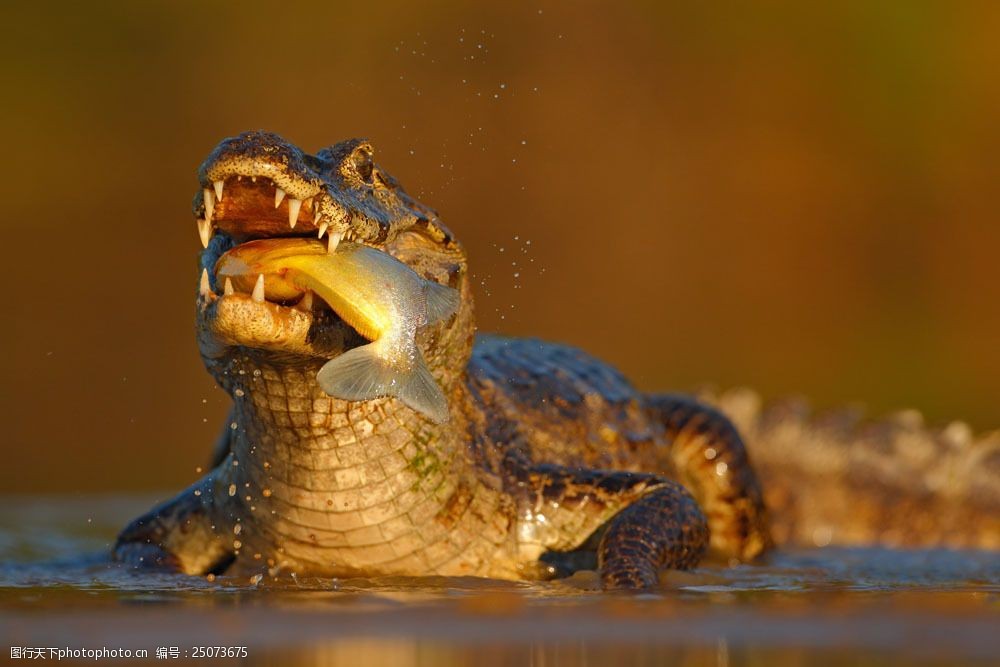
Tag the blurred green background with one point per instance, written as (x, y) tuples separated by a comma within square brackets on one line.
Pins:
[(799, 197)]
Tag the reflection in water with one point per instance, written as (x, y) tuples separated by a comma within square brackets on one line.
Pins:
[(421, 653), (825, 606), (416, 653)]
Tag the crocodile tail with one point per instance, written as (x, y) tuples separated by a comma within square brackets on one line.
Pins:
[(839, 479)]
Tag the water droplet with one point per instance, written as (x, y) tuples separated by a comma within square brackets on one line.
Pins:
[(822, 536)]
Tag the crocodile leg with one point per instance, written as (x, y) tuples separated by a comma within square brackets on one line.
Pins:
[(637, 523), (177, 536), (710, 458), (663, 529)]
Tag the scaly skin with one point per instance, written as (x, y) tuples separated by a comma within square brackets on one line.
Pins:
[(550, 460), (835, 478)]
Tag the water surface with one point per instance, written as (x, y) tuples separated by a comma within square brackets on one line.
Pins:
[(820, 606)]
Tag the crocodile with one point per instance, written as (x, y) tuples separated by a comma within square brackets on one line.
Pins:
[(549, 460)]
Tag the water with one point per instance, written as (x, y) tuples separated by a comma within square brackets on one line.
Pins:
[(822, 606)]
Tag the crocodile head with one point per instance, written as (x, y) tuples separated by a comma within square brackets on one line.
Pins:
[(257, 185)]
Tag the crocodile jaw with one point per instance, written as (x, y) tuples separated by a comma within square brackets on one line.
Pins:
[(257, 185)]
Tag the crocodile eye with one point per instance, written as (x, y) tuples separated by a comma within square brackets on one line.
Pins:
[(363, 163)]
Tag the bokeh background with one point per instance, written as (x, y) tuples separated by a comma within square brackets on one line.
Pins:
[(798, 197)]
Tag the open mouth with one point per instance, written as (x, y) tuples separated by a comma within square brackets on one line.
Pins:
[(239, 208), (257, 187), (242, 208), (280, 285), (246, 207)]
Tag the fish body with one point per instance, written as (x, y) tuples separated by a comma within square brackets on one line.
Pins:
[(379, 296)]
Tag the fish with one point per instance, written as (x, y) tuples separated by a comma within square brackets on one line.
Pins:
[(382, 298)]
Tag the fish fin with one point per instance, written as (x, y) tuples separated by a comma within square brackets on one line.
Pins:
[(362, 374), (442, 301), (357, 375), (421, 392)]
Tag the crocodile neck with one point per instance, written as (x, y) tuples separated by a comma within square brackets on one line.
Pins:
[(347, 487), (341, 488)]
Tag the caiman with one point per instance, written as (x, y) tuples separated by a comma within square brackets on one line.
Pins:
[(548, 461)]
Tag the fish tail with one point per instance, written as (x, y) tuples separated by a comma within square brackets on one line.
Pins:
[(364, 373), (442, 301)]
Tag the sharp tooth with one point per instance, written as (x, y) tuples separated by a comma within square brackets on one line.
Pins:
[(205, 232), (279, 194), (333, 240), (306, 303), (209, 203), (308, 203), (322, 228), (228, 289), (293, 211), (203, 287), (218, 189), (258, 289), (253, 179)]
